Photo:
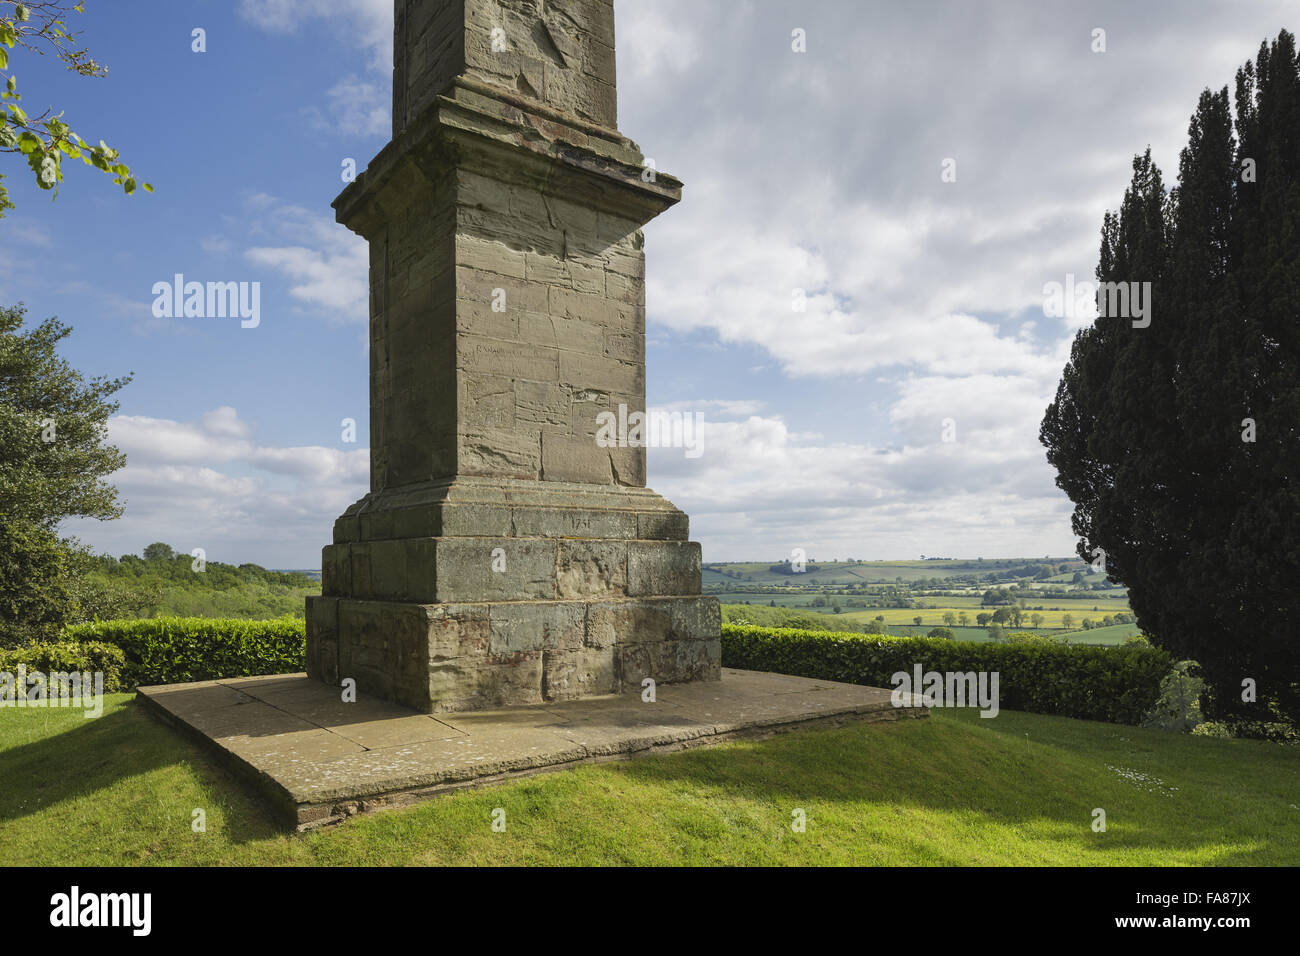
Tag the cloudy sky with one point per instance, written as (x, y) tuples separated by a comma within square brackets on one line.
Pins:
[(819, 170)]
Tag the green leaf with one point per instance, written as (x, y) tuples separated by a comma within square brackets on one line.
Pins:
[(147, 188), (129, 186), (28, 142)]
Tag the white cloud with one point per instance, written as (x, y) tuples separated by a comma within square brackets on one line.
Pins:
[(24, 231), (370, 22), (651, 45), (327, 266), (712, 407), (209, 484), (759, 490), (356, 108), (216, 245)]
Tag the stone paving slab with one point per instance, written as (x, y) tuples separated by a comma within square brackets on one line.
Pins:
[(321, 760)]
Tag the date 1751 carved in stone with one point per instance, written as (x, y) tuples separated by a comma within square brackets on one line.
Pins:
[(503, 556)]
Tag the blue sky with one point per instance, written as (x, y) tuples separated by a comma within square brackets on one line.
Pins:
[(817, 170)]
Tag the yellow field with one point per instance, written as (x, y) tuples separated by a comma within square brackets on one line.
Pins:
[(1078, 610)]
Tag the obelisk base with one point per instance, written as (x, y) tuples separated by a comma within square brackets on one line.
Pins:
[(503, 592)]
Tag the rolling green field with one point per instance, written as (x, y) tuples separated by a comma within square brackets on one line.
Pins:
[(933, 617), (170, 585), (929, 590), (899, 620), (759, 572), (1115, 634), (955, 789), (1053, 608)]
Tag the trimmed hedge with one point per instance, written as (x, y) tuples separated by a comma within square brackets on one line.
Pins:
[(172, 650), (1116, 684), (66, 657)]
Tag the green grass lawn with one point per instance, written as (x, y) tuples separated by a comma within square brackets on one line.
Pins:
[(955, 789)]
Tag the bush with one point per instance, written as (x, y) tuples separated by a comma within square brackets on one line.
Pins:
[(1179, 705), (1029, 637), (69, 656), (171, 650), (35, 566), (943, 633), (1213, 728), (1116, 684), (767, 616)]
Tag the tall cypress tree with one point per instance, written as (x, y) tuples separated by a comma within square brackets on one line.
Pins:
[(1179, 443)]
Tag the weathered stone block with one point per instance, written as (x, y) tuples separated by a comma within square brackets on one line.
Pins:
[(488, 256), (574, 523), (457, 631), (569, 673), (627, 621), (517, 680), (476, 520), (501, 569), (669, 662), (484, 451), (541, 403), (323, 639), (527, 626), (336, 570), (699, 619), (663, 525), (575, 459), (588, 568), (663, 567)]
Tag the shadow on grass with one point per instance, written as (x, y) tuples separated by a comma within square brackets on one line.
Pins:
[(90, 756), (950, 765)]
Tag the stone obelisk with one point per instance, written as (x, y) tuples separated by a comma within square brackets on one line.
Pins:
[(506, 553)]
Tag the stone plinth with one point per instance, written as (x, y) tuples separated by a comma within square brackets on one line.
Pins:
[(504, 555), (320, 760)]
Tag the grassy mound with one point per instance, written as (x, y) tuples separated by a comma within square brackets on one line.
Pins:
[(955, 789)]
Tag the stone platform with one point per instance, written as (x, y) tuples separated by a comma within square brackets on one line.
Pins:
[(321, 760)]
